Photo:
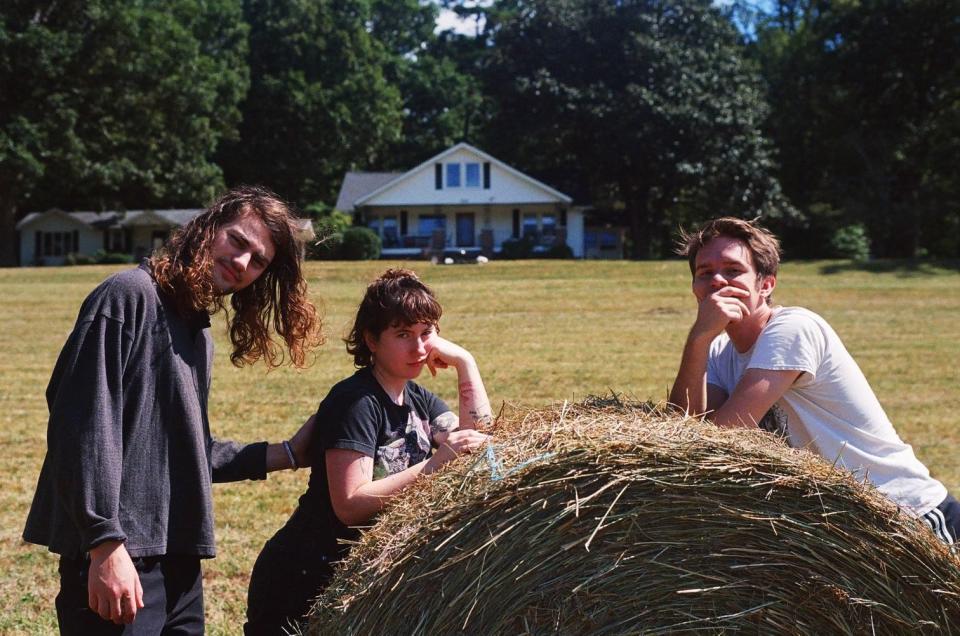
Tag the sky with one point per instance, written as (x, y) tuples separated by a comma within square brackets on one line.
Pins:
[(448, 19)]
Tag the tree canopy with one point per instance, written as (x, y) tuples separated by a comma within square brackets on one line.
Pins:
[(866, 109), (115, 103), (646, 104), (830, 120)]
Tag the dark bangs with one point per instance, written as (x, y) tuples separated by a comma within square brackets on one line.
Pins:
[(397, 298)]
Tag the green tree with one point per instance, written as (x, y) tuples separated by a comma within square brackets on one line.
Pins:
[(438, 98), (319, 102), (644, 104), (866, 113), (114, 103)]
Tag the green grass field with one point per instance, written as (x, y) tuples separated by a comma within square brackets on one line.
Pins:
[(541, 331)]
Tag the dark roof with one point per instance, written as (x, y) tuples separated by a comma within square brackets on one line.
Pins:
[(180, 217), (116, 219), (358, 184), (96, 219)]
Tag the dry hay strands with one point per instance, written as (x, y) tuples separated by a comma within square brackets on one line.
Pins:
[(635, 521)]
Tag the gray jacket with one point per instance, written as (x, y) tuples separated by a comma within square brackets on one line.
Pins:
[(129, 451)]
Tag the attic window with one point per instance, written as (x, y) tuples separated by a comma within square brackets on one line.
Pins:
[(453, 175), (472, 175)]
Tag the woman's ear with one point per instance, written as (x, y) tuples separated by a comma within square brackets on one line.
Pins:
[(370, 341)]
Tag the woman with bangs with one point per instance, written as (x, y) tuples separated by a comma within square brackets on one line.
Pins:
[(377, 433)]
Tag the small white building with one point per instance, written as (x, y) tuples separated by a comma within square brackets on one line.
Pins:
[(461, 198), (46, 238)]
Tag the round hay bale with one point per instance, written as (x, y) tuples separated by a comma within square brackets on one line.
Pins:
[(610, 518)]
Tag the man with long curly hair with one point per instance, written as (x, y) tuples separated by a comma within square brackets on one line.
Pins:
[(124, 495)]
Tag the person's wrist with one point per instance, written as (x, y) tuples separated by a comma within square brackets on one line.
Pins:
[(291, 456), (103, 550), (704, 334), (465, 362)]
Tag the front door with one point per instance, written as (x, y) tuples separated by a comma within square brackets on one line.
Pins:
[(465, 230)]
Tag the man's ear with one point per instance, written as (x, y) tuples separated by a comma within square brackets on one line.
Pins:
[(767, 285)]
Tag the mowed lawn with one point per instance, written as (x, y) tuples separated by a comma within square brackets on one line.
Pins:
[(541, 331)]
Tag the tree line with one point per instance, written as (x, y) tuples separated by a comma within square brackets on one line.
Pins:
[(836, 121)]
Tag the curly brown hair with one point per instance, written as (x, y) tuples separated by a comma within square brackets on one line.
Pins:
[(396, 297), (183, 268)]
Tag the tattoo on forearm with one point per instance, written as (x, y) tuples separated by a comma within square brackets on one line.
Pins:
[(481, 418), (444, 423), (480, 414)]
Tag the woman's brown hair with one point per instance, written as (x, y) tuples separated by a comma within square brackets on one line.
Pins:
[(396, 297), (277, 298)]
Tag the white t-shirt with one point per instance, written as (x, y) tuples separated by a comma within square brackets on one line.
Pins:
[(831, 408)]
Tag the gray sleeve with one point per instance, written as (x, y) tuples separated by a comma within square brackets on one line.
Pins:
[(234, 462), (85, 431)]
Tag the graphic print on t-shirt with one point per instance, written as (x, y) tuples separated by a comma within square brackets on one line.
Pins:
[(775, 421), (405, 451)]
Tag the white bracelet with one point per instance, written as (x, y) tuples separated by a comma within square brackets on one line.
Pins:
[(293, 460)]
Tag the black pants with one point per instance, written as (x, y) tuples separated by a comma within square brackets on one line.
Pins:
[(172, 599), (293, 568)]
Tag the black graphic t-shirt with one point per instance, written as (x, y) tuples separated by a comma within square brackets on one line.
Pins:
[(358, 415)]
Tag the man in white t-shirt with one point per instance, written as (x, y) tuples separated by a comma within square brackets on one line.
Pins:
[(749, 363)]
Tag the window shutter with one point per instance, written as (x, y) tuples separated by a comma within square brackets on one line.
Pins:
[(438, 176), (37, 244), (516, 223), (76, 241), (403, 222), (486, 175), (563, 217)]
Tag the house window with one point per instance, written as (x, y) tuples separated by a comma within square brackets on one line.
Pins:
[(56, 243), (548, 224), (453, 175), (427, 223), (374, 224), (116, 241), (530, 224), (472, 175), (390, 235), (158, 238)]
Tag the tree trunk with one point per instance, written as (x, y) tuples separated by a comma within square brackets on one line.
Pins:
[(8, 232)]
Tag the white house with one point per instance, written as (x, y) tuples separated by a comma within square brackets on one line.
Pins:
[(46, 238), (461, 198)]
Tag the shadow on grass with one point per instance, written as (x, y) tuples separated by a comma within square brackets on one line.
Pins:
[(900, 267)]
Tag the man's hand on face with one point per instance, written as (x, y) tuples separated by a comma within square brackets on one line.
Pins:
[(719, 309), (113, 585)]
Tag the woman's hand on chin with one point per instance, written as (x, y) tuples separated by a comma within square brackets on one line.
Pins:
[(444, 354)]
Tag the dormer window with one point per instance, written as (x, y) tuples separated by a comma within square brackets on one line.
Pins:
[(472, 171), (471, 174), (453, 175)]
